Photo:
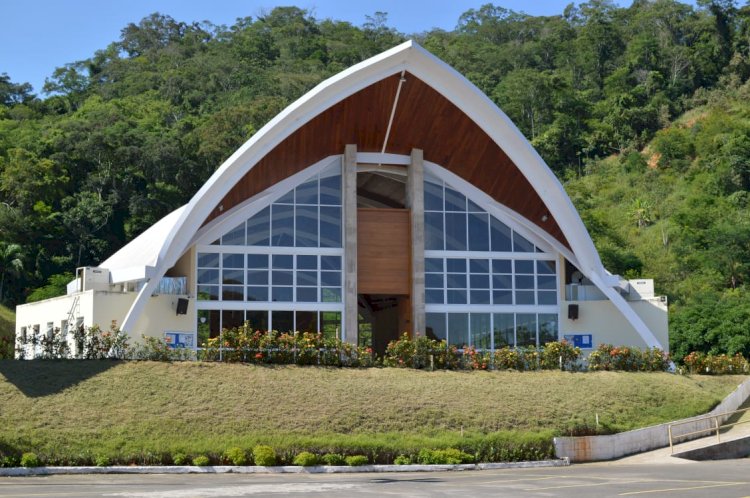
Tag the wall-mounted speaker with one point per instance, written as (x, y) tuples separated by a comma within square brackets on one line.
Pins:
[(182, 306), (572, 312)]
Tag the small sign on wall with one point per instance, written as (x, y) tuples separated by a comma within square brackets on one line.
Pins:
[(583, 341), (177, 340)]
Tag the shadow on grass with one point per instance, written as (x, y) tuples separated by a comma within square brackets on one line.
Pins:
[(37, 378)]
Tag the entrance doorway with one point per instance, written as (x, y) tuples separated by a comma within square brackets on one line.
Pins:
[(382, 318)]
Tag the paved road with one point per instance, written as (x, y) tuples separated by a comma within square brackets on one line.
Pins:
[(729, 478)]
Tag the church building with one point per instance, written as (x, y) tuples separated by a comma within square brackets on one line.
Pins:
[(393, 197)]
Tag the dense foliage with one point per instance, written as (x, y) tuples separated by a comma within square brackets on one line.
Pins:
[(124, 137)]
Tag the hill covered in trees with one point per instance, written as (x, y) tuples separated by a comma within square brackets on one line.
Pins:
[(641, 111)]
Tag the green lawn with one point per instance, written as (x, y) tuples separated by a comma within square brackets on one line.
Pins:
[(67, 409)]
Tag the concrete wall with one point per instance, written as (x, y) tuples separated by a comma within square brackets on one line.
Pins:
[(595, 448), (608, 326)]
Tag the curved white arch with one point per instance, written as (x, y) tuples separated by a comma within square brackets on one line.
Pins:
[(410, 57)]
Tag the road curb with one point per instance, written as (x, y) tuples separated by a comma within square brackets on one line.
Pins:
[(286, 469)]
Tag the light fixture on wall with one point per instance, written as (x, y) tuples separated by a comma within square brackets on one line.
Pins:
[(182, 306)]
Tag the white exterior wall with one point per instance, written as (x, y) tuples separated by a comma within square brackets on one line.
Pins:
[(54, 310), (607, 325), (159, 315), (101, 308)]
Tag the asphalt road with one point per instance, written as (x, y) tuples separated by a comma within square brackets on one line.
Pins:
[(729, 478)]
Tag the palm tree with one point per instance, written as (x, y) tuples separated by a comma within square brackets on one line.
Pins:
[(640, 212), (10, 263)]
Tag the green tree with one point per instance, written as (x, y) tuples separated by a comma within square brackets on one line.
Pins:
[(11, 264)]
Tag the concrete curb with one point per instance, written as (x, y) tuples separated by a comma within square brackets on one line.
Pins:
[(288, 469)]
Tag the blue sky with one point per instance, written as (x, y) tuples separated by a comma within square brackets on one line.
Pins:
[(39, 35)]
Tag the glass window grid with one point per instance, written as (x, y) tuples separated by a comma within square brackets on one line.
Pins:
[(451, 280), (495, 318), (269, 318), (275, 273), (453, 204), (324, 207)]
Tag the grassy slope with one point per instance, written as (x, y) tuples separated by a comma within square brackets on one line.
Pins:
[(7, 322), (121, 408)]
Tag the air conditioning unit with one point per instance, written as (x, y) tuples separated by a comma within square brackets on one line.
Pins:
[(93, 278)]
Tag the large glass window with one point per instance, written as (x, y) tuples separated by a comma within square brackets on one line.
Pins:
[(453, 223), (486, 285), (280, 269), (307, 216), (488, 330), (211, 322), (486, 281)]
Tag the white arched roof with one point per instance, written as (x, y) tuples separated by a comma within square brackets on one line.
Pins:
[(411, 57)]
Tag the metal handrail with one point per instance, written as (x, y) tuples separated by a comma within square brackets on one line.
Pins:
[(717, 426)]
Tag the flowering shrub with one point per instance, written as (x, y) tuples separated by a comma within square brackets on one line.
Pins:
[(701, 363), (401, 353), (655, 360), (609, 357), (155, 349), (476, 360), (560, 355), (243, 344), (90, 343), (421, 353), (508, 358)]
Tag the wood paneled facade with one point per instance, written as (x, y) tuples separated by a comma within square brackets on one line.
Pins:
[(383, 251), (424, 119)]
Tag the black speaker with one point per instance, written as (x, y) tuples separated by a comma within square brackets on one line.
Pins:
[(572, 312), (182, 305)]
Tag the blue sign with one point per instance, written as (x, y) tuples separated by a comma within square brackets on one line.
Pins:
[(176, 340), (583, 341)]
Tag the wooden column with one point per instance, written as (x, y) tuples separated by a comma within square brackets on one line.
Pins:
[(415, 203), (351, 322)]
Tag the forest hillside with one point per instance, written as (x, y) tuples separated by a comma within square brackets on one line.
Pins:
[(642, 112)]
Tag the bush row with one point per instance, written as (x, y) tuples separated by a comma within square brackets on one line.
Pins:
[(243, 344), (628, 359), (240, 344), (426, 353), (495, 447), (702, 363)]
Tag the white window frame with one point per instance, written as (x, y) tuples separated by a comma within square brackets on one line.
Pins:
[(246, 210), (509, 218)]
